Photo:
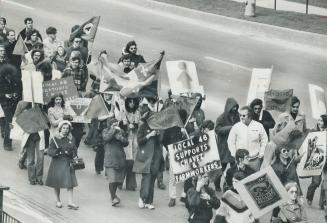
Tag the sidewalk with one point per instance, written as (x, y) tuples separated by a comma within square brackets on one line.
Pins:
[(283, 5)]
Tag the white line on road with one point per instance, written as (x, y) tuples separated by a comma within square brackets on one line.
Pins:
[(18, 4), (227, 63), (115, 32)]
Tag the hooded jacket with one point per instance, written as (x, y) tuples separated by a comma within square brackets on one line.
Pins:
[(224, 124)]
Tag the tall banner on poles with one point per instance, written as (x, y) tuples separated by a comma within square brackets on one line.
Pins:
[(260, 83), (194, 156), (183, 77), (32, 86), (314, 158), (318, 100)]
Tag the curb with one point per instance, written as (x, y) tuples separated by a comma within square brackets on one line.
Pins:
[(239, 26)]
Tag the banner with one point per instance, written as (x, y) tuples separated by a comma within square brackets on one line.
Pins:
[(279, 100), (314, 158), (32, 86), (164, 119), (87, 30), (32, 120), (318, 100), (194, 156), (262, 192), (182, 76), (64, 86), (77, 108), (260, 83)]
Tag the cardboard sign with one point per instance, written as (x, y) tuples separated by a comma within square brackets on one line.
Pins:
[(314, 158), (77, 108), (182, 77), (279, 100), (64, 86), (262, 192), (32, 86), (194, 156), (260, 83), (318, 100)]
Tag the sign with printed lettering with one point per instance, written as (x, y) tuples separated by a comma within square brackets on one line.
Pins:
[(64, 86), (194, 156), (278, 100), (77, 108)]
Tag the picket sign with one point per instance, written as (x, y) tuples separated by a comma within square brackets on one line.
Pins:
[(318, 100)]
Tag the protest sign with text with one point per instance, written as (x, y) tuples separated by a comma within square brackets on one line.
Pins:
[(194, 156), (77, 108), (64, 86), (278, 100), (260, 83), (318, 100), (262, 191), (314, 158)]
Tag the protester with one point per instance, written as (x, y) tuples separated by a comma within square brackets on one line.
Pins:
[(51, 43), (28, 27), (224, 124), (316, 180), (131, 122), (61, 174), (60, 59), (293, 210), (10, 46), (115, 139), (32, 39), (201, 199), (147, 161), (77, 46), (126, 63), (131, 49), (79, 75), (10, 94), (262, 116), (250, 135), (3, 29)]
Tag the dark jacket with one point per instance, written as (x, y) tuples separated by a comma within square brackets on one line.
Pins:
[(231, 171), (114, 143), (15, 60), (286, 173), (200, 210), (83, 50), (224, 124), (149, 155), (267, 121), (23, 34)]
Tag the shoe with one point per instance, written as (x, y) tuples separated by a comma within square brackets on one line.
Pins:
[(149, 206), (59, 205), (98, 172), (32, 182), (8, 148), (161, 186), (172, 202), (39, 182), (115, 201), (131, 188), (21, 165), (309, 202), (141, 203), (72, 206)]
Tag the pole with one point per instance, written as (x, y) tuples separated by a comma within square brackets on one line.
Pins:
[(89, 54), (275, 5), (32, 89), (307, 7)]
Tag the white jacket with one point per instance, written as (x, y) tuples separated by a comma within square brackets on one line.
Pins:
[(252, 138)]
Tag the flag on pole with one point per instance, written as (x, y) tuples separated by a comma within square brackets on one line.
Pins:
[(20, 47), (32, 120), (97, 109), (87, 30), (166, 118)]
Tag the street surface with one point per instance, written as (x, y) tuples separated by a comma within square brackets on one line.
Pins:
[(224, 62)]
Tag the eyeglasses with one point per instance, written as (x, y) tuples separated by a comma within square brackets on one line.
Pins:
[(293, 191), (284, 151), (77, 41), (241, 115)]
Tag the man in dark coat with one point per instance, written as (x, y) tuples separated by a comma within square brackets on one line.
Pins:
[(10, 46), (224, 124), (77, 46), (262, 116), (28, 27)]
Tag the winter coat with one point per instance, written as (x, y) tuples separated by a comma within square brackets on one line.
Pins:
[(224, 124), (286, 173), (266, 120), (114, 143), (200, 210), (291, 213), (60, 174), (149, 157), (79, 76)]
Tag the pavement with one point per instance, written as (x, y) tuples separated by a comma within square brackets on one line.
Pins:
[(224, 61), (283, 5)]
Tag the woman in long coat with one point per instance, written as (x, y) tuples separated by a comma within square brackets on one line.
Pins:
[(114, 140), (147, 161), (60, 175)]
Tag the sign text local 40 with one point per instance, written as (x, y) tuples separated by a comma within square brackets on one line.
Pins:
[(194, 156)]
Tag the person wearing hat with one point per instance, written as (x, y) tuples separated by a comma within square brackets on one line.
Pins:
[(62, 149), (115, 139)]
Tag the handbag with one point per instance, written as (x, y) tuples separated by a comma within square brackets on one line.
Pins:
[(77, 163)]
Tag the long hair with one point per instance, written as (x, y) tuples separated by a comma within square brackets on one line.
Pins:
[(52, 101), (136, 104)]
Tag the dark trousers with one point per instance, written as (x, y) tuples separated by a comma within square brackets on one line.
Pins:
[(99, 158), (316, 180), (147, 188), (9, 113), (2, 126), (77, 132), (130, 176), (91, 138), (34, 168), (160, 177)]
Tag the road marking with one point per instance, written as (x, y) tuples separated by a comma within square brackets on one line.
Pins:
[(227, 63), (115, 32), (18, 4)]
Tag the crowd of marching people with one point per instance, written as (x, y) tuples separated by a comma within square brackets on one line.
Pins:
[(248, 137)]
